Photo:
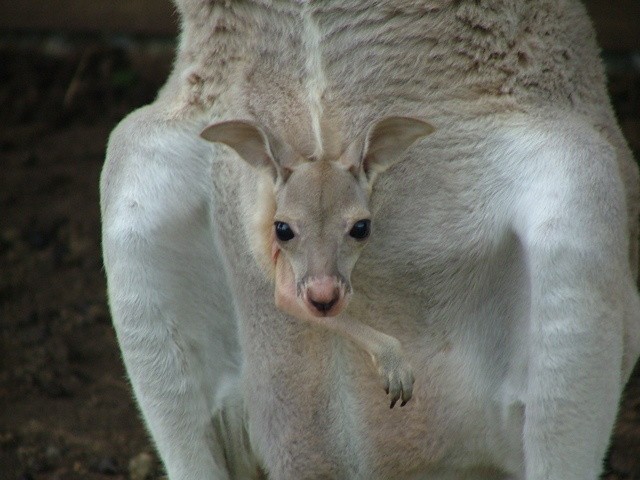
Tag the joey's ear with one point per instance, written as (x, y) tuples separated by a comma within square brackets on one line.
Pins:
[(385, 143), (247, 139)]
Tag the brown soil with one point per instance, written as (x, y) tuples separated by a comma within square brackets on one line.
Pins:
[(66, 410)]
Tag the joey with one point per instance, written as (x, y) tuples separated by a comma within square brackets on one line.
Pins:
[(321, 224)]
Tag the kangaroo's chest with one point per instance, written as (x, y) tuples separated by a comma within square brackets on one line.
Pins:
[(439, 226)]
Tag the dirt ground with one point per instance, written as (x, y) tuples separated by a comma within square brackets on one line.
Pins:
[(66, 410)]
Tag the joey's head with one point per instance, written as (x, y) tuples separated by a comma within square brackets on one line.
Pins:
[(321, 220)]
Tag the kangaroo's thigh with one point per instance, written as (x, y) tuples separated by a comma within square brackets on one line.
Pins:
[(167, 286), (568, 211)]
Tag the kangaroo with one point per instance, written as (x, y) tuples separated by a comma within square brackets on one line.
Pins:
[(438, 186), (317, 225)]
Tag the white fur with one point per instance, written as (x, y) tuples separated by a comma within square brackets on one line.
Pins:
[(503, 256), (316, 82)]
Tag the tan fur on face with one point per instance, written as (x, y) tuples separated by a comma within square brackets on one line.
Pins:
[(263, 245), (321, 193)]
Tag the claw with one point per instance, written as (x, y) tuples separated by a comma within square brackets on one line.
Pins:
[(396, 393), (407, 392)]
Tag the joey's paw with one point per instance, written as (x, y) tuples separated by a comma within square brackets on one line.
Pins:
[(399, 384), (396, 374)]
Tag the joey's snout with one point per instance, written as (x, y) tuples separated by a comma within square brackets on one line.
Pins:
[(324, 296)]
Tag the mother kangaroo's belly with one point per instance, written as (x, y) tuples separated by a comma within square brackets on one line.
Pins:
[(449, 423)]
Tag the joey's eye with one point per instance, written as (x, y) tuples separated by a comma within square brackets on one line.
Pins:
[(283, 231), (361, 229)]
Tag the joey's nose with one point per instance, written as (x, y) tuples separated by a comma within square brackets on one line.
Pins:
[(324, 307), (322, 295)]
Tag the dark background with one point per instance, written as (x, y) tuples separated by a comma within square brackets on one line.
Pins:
[(69, 71)]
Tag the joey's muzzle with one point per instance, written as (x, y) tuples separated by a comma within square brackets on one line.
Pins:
[(324, 296)]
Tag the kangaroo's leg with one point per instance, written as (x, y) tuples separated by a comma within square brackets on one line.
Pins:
[(168, 292), (570, 217)]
